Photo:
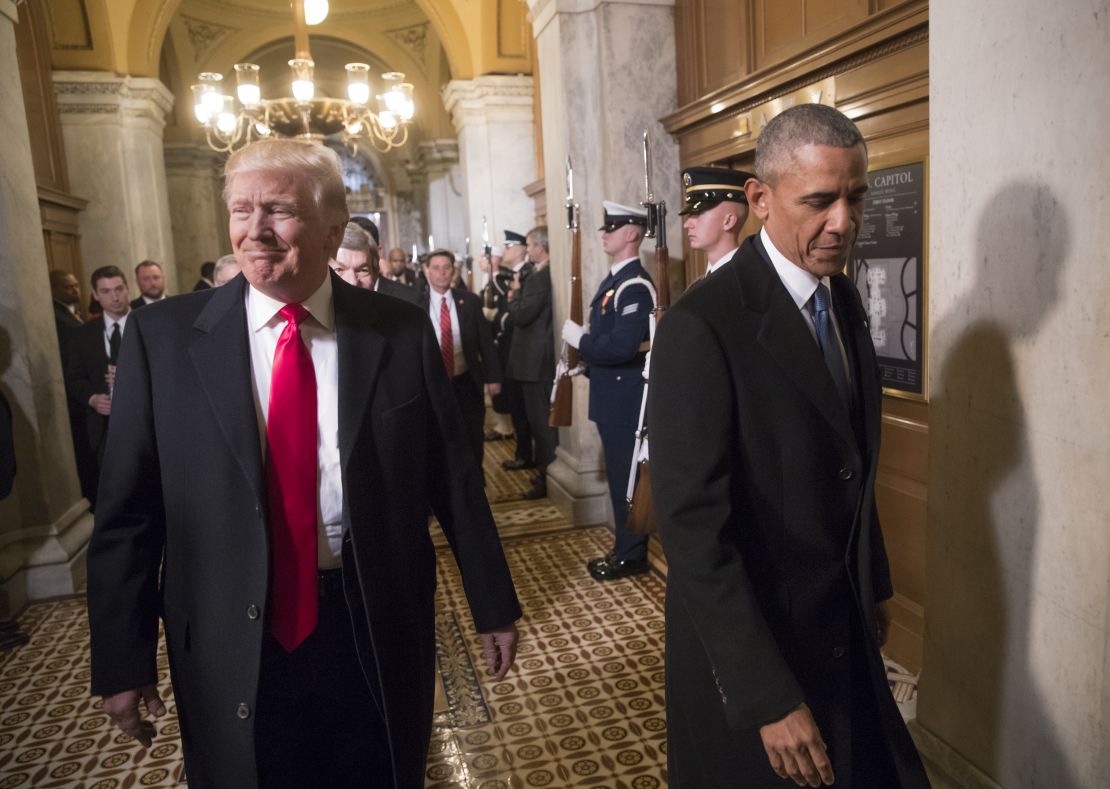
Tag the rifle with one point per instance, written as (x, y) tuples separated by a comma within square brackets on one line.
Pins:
[(489, 290), (562, 393), (641, 511)]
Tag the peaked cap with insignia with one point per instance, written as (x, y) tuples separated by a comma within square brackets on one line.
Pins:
[(705, 187)]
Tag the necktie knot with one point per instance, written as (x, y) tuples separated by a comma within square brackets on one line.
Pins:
[(821, 298), (294, 313)]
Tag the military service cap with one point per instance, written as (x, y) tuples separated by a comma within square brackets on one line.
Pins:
[(616, 215), (706, 187), (512, 239)]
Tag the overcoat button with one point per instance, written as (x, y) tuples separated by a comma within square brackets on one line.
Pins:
[(618, 378), (253, 612), (846, 473), (838, 652), (243, 711)]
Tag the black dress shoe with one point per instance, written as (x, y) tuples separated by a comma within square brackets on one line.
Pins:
[(516, 464), (493, 435), (537, 491), (600, 560), (615, 568)]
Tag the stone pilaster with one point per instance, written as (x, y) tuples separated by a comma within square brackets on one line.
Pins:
[(198, 218), (112, 128), (497, 158), (607, 72), (45, 523), (446, 208)]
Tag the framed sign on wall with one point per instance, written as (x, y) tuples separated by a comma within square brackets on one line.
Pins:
[(888, 268)]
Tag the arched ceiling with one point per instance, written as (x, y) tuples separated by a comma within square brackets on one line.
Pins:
[(127, 36)]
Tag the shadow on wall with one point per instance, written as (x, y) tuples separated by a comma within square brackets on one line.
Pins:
[(998, 717)]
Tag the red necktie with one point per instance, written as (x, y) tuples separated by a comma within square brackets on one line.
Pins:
[(291, 469), (446, 339)]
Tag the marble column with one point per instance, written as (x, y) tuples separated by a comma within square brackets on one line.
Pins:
[(497, 151), (446, 209), (198, 218), (112, 128), (607, 73), (1015, 684), (45, 523)]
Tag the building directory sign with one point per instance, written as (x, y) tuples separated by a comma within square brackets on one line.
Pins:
[(888, 269)]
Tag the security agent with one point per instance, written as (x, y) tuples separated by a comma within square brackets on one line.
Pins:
[(613, 345), (715, 210)]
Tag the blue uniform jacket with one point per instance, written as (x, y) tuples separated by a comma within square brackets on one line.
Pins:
[(615, 345)]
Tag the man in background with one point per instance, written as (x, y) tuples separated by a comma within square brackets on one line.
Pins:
[(532, 355), (715, 210), (398, 268), (206, 272), (152, 284), (227, 268), (66, 293), (356, 262)]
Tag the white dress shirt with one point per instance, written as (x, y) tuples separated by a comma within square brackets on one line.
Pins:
[(801, 285), (456, 336), (716, 264), (108, 324), (265, 326), (613, 269)]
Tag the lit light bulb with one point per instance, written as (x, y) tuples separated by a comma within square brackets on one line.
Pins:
[(408, 111), (247, 88), (315, 11), (354, 127), (202, 113), (395, 101), (262, 129), (303, 89), (358, 92), (387, 120), (225, 122)]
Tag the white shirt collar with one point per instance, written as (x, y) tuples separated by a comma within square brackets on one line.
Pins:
[(716, 264), (520, 265), (121, 321), (613, 269), (262, 310), (149, 300), (799, 283)]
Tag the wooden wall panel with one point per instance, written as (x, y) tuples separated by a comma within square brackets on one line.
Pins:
[(717, 33), (784, 28)]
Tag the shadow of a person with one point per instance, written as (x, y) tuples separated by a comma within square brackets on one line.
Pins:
[(983, 542)]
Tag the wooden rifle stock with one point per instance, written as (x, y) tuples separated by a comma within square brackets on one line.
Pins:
[(489, 292), (641, 507), (562, 398)]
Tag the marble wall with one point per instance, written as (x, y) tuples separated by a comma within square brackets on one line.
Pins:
[(198, 218), (607, 73), (44, 523), (112, 129), (1015, 689), (446, 212)]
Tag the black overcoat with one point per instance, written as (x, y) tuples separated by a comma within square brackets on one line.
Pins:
[(183, 481), (764, 493)]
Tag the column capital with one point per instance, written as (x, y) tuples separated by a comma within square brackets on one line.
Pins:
[(490, 98), (541, 12), (437, 155), (99, 93)]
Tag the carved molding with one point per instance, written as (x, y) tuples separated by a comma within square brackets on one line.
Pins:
[(101, 93), (437, 155), (203, 34), (413, 38), (489, 99)]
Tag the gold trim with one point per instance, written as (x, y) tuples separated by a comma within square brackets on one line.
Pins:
[(707, 187)]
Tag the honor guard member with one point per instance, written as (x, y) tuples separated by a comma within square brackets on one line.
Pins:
[(514, 261), (716, 210), (613, 346), (501, 279)]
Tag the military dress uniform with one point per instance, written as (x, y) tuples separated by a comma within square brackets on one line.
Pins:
[(614, 349)]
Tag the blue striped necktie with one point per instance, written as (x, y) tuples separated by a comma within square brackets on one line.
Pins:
[(826, 338)]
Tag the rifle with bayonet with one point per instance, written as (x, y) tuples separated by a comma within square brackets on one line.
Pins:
[(641, 511), (489, 290), (562, 393)]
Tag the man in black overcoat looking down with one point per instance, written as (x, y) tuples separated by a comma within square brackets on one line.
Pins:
[(764, 417)]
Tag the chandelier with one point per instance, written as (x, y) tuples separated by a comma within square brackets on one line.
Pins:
[(304, 114)]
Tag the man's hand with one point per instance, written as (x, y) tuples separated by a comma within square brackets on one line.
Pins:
[(882, 623), (101, 403), (123, 710), (796, 750), (499, 650), (572, 333), (110, 376), (494, 389)]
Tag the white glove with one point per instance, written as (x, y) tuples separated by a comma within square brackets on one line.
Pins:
[(572, 333)]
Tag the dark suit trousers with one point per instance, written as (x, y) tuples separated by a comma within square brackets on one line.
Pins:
[(618, 442), (537, 405), (515, 396), (473, 408), (316, 723)]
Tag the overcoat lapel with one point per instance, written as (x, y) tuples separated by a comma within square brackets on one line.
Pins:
[(222, 358), (361, 350), (783, 333)]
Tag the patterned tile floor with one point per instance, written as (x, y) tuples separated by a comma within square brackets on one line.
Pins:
[(583, 707)]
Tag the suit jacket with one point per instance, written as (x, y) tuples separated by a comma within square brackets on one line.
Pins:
[(186, 386), (65, 322), (482, 363), (615, 346), (86, 366), (532, 353), (201, 285), (7, 448), (763, 485), (397, 290)]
